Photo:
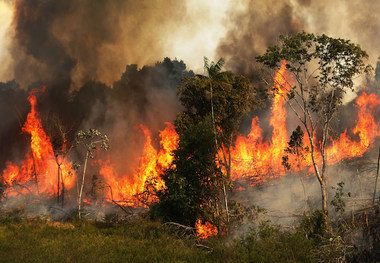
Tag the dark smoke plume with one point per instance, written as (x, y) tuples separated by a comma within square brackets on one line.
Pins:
[(86, 40)]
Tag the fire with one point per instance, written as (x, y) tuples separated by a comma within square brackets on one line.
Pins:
[(205, 230), (258, 161), (366, 128), (251, 157), (152, 164), (37, 172)]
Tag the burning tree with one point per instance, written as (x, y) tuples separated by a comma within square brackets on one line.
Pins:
[(90, 140), (219, 99), (323, 69), (59, 134)]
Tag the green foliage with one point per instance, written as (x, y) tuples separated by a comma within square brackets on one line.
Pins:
[(91, 140), (338, 200), (192, 182), (232, 97), (314, 225), (214, 105), (323, 69), (212, 68), (141, 241), (39, 240), (295, 147), (269, 244)]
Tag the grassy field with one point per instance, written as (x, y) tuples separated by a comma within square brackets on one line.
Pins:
[(37, 240)]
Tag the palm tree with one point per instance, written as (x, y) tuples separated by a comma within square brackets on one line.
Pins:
[(214, 70)]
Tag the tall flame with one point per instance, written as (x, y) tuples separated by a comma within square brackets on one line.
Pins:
[(251, 157), (38, 171), (152, 164), (258, 161)]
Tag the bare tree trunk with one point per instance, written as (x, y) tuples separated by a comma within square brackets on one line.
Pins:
[(62, 191), (226, 203), (216, 144), (35, 175), (58, 182), (324, 197), (377, 176), (81, 187), (321, 177), (229, 160)]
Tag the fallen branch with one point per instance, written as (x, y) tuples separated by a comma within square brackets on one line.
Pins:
[(122, 208), (209, 249), (187, 228)]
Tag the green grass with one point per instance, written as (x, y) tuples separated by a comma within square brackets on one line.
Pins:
[(139, 241)]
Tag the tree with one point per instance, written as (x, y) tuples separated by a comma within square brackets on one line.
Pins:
[(58, 134), (224, 96), (90, 140), (323, 68), (193, 180)]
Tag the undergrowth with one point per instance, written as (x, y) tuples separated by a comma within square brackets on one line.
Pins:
[(24, 239)]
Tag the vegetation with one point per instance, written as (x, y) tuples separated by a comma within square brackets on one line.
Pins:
[(323, 69), (91, 140), (224, 96), (219, 99), (141, 241), (196, 183), (193, 181)]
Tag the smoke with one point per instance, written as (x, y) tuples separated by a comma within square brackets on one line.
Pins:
[(253, 27), (87, 40), (286, 199), (257, 24), (146, 96), (5, 57)]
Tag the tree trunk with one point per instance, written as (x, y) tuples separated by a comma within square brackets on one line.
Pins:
[(377, 176), (35, 175), (226, 203), (324, 197), (81, 187), (217, 147), (62, 190), (58, 182)]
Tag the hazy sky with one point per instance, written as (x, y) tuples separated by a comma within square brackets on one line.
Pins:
[(100, 38)]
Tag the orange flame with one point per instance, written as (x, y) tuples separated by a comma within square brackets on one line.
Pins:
[(205, 230), (258, 161), (38, 170), (152, 164), (251, 157)]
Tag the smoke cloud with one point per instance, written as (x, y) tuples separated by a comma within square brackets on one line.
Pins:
[(257, 24), (86, 40), (5, 57)]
